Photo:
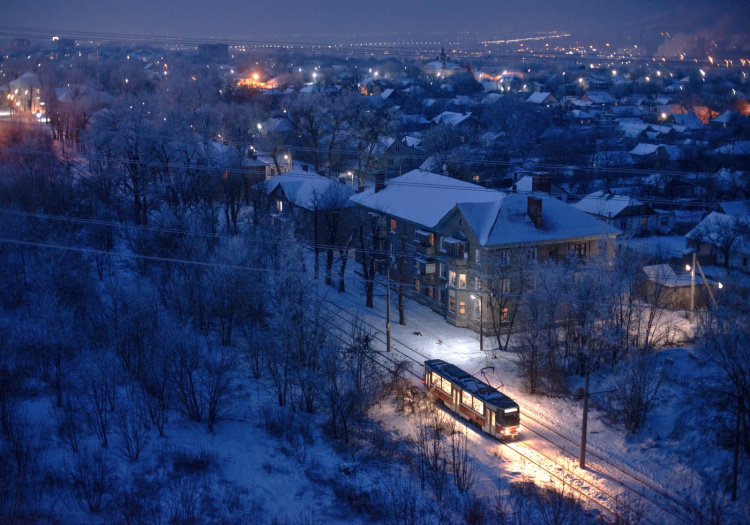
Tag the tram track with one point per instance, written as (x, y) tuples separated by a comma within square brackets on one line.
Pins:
[(639, 498)]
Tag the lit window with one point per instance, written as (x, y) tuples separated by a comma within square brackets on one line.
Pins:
[(466, 398), (452, 304), (442, 384), (279, 206), (504, 315), (462, 280), (393, 225), (478, 406), (416, 285), (462, 307), (452, 278)]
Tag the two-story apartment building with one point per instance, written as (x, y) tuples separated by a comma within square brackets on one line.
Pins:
[(453, 236)]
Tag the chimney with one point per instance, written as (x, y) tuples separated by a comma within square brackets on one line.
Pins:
[(534, 210), (379, 182), (541, 182)]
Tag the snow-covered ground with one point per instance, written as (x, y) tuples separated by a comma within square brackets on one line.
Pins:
[(259, 479)]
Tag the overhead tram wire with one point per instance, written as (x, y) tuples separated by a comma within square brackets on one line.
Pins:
[(408, 286), (461, 162)]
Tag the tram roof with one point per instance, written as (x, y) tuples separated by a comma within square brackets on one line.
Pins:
[(468, 382)]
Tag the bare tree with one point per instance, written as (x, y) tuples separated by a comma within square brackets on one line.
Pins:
[(369, 127), (723, 342), (187, 376), (90, 479), (219, 365), (636, 393), (353, 382), (723, 233), (307, 115), (98, 382), (461, 460)]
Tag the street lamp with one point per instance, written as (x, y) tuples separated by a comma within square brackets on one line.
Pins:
[(691, 269), (481, 323)]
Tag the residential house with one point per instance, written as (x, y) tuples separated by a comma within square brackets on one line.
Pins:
[(457, 232), (580, 117), (459, 120), (599, 99), (661, 286), (723, 240), (537, 181), (542, 98), (403, 155), (319, 207), (625, 213)]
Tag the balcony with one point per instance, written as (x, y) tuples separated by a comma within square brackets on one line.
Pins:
[(424, 250), (425, 267)]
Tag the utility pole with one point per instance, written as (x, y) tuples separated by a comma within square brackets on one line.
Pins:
[(481, 326), (737, 448), (692, 286), (584, 424), (388, 306)]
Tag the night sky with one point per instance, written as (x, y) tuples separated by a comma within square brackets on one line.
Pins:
[(287, 20)]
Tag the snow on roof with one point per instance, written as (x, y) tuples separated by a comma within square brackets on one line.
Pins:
[(600, 97), (505, 222), (451, 117), (666, 276), (689, 120), (276, 125), (605, 204), (422, 197), (306, 189), (492, 98), (411, 141), (387, 93), (540, 97), (577, 113), (716, 227), (738, 148), (725, 117), (643, 149)]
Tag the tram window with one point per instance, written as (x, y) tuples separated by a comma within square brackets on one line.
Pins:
[(471, 401), (442, 384)]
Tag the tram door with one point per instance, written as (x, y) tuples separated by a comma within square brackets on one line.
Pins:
[(492, 430), (456, 399)]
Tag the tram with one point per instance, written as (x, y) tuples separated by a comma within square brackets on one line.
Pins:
[(472, 399)]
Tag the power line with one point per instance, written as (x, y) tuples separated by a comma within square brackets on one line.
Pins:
[(226, 169)]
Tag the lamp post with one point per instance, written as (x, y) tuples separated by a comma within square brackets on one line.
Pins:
[(691, 269), (481, 322)]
